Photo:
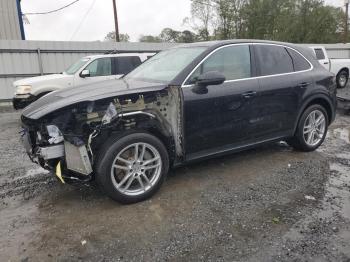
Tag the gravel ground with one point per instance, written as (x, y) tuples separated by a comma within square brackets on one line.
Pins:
[(344, 92), (266, 204)]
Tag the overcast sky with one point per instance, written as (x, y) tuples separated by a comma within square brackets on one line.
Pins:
[(89, 20)]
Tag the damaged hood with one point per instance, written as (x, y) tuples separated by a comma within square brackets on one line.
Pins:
[(86, 93)]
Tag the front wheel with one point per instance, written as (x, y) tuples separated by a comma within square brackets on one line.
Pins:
[(132, 168), (342, 79), (312, 129)]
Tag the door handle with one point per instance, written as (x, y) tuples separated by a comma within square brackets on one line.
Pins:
[(303, 85), (325, 63), (249, 94)]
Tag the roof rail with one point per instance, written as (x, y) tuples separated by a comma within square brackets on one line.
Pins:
[(130, 51)]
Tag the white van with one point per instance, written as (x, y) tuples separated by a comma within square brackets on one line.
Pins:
[(87, 70)]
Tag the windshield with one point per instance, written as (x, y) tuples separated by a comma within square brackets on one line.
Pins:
[(166, 65), (76, 66)]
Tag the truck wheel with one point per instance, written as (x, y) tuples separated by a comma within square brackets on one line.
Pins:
[(312, 129), (132, 168), (342, 79)]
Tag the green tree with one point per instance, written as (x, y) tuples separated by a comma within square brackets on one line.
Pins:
[(122, 37), (299, 21), (202, 12), (150, 39), (187, 37), (229, 20), (317, 22), (169, 35)]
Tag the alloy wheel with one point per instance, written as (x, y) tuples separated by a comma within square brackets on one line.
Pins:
[(314, 128), (136, 169)]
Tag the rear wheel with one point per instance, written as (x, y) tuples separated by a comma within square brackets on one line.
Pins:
[(342, 79), (132, 168), (312, 129)]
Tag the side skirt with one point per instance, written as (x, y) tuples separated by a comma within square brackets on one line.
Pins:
[(225, 150)]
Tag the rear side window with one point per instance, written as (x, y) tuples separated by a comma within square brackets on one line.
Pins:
[(232, 61), (319, 54), (299, 62), (273, 60), (125, 64)]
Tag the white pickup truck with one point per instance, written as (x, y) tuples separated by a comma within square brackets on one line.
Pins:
[(339, 67), (87, 70)]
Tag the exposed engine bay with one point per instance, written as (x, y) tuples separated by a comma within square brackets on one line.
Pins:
[(68, 140)]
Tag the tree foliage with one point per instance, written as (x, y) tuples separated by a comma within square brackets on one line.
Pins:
[(299, 21), (122, 37), (172, 36), (150, 39)]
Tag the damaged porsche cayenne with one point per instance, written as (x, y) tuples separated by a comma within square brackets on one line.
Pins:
[(185, 104)]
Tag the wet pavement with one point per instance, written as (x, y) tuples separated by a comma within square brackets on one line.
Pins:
[(344, 92), (267, 204)]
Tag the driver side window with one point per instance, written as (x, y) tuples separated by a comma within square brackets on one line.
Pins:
[(232, 61), (100, 67)]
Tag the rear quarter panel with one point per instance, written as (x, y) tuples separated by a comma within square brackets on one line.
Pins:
[(324, 88)]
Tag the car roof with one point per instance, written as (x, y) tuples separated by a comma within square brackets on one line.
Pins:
[(211, 45), (215, 44), (118, 55)]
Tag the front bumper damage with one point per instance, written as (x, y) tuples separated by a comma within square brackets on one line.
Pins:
[(68, 141), (68, 160)]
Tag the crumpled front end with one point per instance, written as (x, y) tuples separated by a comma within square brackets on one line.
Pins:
[(67, 156), (68, 140)]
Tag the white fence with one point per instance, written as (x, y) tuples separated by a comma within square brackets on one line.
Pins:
[(20, 59)]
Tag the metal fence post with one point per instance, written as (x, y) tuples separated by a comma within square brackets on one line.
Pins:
[(40, 62)]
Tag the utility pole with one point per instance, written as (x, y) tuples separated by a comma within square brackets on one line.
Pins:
[(346, 21), (116, 21)]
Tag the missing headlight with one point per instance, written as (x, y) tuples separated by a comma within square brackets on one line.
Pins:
[(55, 134)]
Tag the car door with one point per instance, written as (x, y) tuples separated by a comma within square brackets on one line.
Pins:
[(217, 117), (100, 69), (125, 64), (281, 89)]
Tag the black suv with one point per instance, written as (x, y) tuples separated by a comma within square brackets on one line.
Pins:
[(186, 103)]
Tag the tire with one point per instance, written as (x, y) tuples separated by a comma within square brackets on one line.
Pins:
[(342, 79), (300, 139), (122, 182)]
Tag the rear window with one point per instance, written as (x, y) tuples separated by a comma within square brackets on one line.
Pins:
[(319, 54), (273, 60), (299, 62), (125, 64)]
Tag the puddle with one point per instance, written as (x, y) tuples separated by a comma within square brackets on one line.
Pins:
[(339, 187)]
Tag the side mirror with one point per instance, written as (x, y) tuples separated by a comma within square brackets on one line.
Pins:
[(210, 78), (85, 73)]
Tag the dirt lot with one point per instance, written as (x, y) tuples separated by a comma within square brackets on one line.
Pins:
[(267, 204)]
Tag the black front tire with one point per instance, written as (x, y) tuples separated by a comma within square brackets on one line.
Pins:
[(298, 141), (340, 79), (106, 158)]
